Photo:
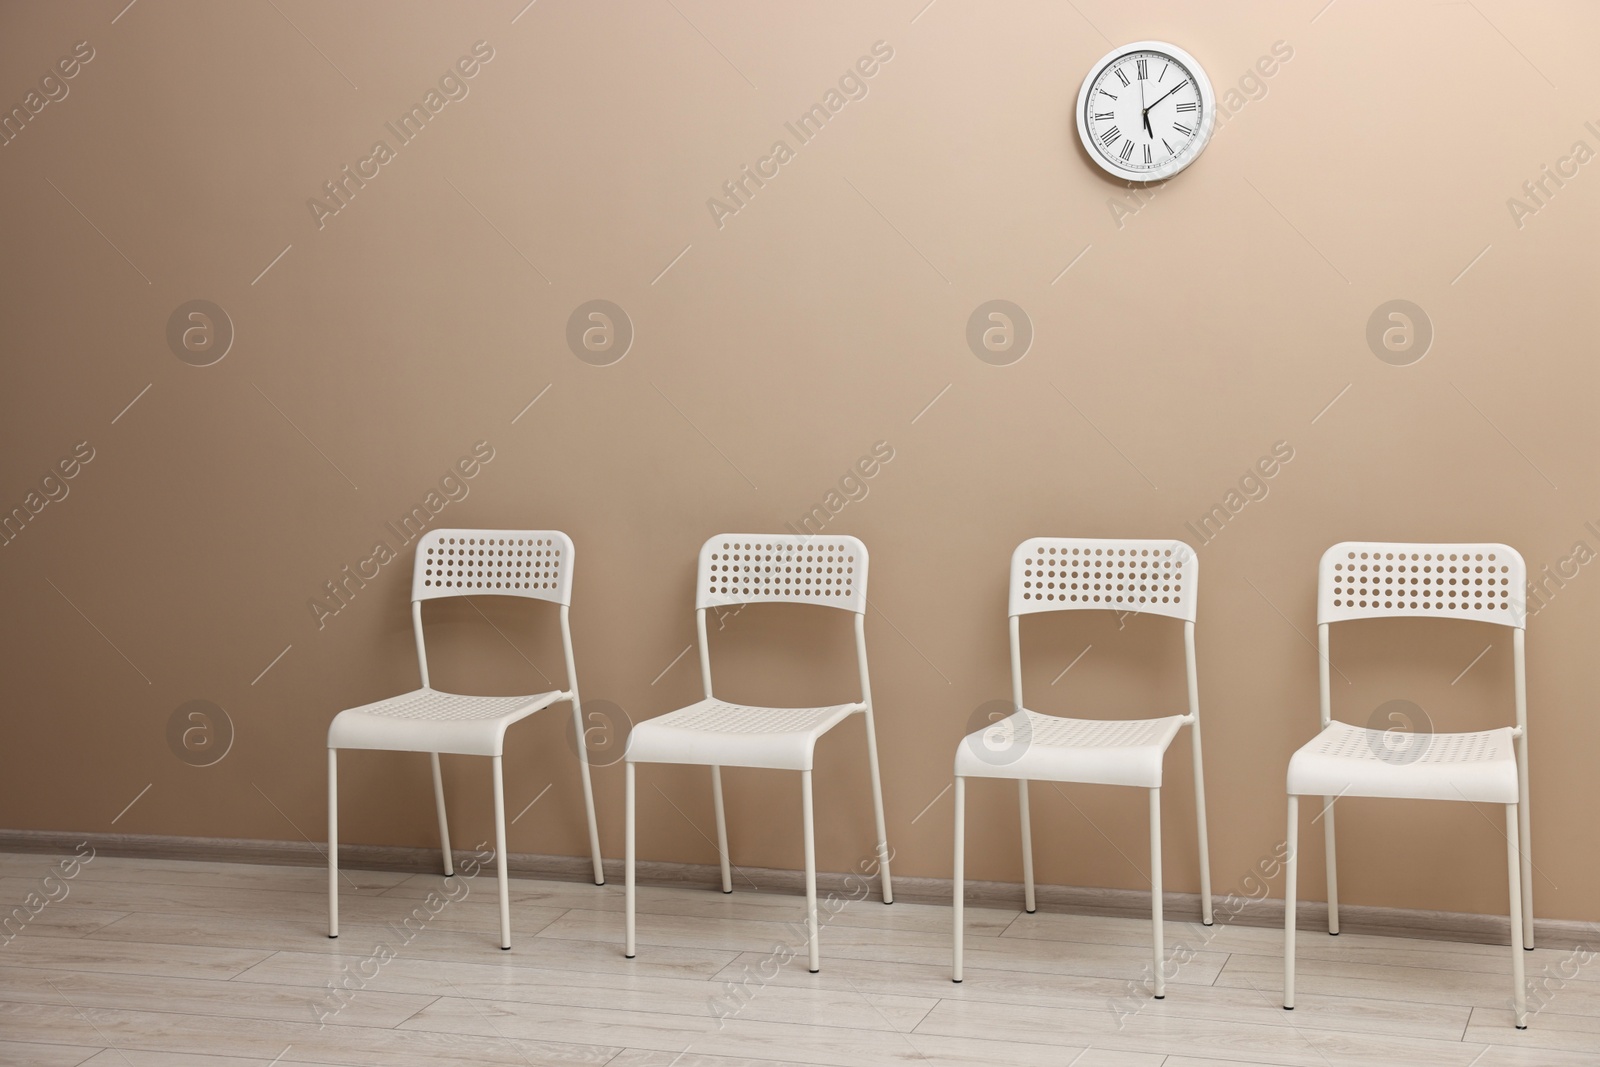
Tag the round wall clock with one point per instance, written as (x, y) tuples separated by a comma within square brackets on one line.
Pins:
[(1146, 111)]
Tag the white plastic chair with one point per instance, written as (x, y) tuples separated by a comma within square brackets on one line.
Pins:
[(536, 564), (740, 569), (1369, 580), (1089, 574)]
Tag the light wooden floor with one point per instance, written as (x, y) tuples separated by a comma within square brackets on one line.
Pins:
[(149, 963)]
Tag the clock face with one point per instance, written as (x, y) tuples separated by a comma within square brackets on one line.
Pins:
[(1145, 111)]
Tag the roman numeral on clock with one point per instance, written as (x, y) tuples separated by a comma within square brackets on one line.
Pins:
[(1147, 153), (1104, 116), (1127, 150), (1188, 106), (1144, 69), (1123, 78), (1110, 136), (1181, 128)]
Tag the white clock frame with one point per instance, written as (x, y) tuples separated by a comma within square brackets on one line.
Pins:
[(1196, 144)]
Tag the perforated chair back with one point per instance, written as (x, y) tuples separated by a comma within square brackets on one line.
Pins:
[(1381, 579), (528, 563), (1398, 579), (1155, 577), (739, 569)]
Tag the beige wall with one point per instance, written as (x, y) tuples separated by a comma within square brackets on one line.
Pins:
[(1191, 336)]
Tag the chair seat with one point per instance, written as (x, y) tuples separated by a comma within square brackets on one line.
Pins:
[(1057, 749), (427, 720), (1345, 760), (715, 732)]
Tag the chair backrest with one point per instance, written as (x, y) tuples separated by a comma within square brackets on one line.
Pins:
[(1155, 577), (536, 564), (1378, 579), (1399, 579), (738, 569), (528, 563)]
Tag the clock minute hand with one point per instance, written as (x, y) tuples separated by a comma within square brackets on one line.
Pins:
[(1164, 95)]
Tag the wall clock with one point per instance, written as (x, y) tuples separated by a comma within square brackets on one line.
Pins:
[(1146, 111)]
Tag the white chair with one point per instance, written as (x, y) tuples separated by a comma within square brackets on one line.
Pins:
[(1078, 574), (1368, 580), (740, 569), (536, 564)]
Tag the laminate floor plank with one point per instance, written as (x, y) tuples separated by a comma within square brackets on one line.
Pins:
[(602, 957), (347, 1046), (25, 1054), (198, 996), (133, 1057), (1546, 1030), (1256, 1034), (909, 946), (476, 896), (742, 903), (1426, 985), (476, 928), (1219, 1003), (56, 920), (634, 1057), (737, 1037), (111, 957), (213, 874), (1312, 942), (493, 980), (1489, 1056)]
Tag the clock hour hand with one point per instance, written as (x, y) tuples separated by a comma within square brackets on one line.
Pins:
[(1144, 114)]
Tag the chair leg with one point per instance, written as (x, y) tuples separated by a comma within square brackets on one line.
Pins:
[(958, 897), (1156, 915), (1206, 917), (1525, 840), (811, 871), (877, 813), (1519, 991), (333, 842), (1028, 903), (722, 830), (1333, 865), (500, 853), (627, 863), (1291, 862), (588, 795), (444, 825)]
